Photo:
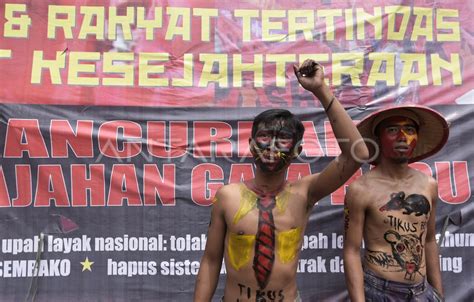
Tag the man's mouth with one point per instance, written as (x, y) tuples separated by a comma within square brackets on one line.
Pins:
[(402, 148), (273, 160), (271, 165), (272, 156)]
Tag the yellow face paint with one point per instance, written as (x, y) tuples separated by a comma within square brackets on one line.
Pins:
[(409, 137), (239, 249), (408, 130), (288, 244)]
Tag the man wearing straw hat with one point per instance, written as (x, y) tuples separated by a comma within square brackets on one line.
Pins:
[(393, 208)]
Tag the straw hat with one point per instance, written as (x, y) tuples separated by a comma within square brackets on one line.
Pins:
[(433, 129)]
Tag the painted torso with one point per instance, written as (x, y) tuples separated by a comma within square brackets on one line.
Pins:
[(395, 228), (242, 216)]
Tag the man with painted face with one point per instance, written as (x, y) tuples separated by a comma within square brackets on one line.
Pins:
[(392, 207), (257, 225)]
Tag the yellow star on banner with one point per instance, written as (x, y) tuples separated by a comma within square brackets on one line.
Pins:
[(87, 265)]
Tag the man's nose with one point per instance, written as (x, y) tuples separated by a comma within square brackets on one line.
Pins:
[(401, 136), (272, 145)]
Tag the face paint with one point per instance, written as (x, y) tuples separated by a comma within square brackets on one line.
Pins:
[(398, 137), (273, 147)]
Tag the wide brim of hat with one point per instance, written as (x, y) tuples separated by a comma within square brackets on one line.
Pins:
[(433, 130)]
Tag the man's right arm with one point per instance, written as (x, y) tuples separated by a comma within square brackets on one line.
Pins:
[(211, 262), (353, 149), (354, 217)]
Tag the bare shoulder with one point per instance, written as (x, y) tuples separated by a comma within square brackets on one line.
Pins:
[(359, 191), (424, 179), (225, 193), (361, 184), (305, 182), (228, 189), (427, 182)]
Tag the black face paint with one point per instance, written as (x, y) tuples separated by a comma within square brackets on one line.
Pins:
[(274, 146)]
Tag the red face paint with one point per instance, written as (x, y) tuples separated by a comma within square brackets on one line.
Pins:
[(398, 137)]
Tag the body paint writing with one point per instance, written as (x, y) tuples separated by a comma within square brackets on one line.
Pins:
[(260, 295), (405, 226), (401, 225), (346, 219)]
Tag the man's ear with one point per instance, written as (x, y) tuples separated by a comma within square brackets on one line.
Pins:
[(252, 146)]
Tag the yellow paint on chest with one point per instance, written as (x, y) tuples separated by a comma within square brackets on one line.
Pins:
[(239, 247), (248, 202), (288, 244)]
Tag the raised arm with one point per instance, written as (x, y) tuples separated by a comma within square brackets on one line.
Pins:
[(211, 262), (354, 217), (431, 248), (354, 151)]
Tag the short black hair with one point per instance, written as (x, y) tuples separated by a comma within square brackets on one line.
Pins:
[(269, 116)]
